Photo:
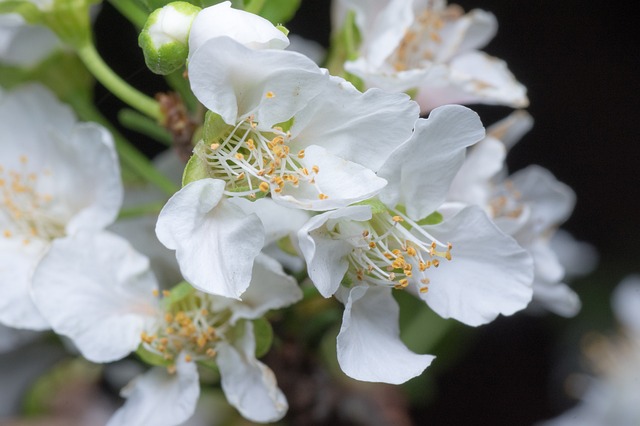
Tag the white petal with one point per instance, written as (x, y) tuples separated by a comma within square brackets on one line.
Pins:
[(160, 399), (360, 127), (342, 182), (98, 291), (474, 77), (551, 202), (512, 128), (233, 81), (247, 28), (421, 170), (471, 31), (326, 257), (249, 385), (556, 297), (17, 263), (270, 288), (23, 44), (472, 184), (369, 345), (278, 220), (215, 242), (489, 273), (576, 257), (626, 303)]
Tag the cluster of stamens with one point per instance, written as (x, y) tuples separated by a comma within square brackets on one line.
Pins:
[(507, 202), (255, 162), (188, 326), (24, 211), (388, 253), (421, 40)]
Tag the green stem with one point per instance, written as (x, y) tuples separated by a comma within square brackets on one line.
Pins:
[(181, 85), (116, 85), (127, 8), (129, 155), (142, 124)]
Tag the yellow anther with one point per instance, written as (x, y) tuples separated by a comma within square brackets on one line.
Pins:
[(423, 290), (171, 369), (323, 196), (155, 292), (251, 144), (304, 171), (397, 219), (270, 95), (188, 358), (240, 176), (23, 159), (315, 169), (211, 352), (392, 276), (372, 244), (264, 187), (436, 262), (169, 330), (411, 251), (239, 156), (214, 146), (365, 233), (202, 340), (7, 233), (168, 317), (166, 293), (447, 255), (204, 312), (403, 282), (301, 153)]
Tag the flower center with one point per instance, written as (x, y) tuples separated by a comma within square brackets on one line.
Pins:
[(422, 40), (388, 253), (254, 161), (189, 325), (25, 211)]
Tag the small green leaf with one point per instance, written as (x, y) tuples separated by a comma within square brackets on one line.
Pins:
[(264, 336), (279, 11)]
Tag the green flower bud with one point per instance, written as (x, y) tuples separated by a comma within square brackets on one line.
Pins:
[(164, 38)]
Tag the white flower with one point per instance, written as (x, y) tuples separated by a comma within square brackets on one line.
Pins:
[(110, 311), (613, 397), (22, 44), (57, 177), (427, 46), (528, 205), (221, 20)]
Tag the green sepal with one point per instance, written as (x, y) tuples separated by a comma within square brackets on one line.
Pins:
[(286, 245), (346, 281), (152, 359), (263, 333), (177, 294), (433, 219), (376, 205), (195, 169), (286, 125), (214, 128)]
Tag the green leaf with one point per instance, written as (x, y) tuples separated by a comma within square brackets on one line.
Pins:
[(264, 336)]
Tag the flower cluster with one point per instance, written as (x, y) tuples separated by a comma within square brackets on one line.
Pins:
[(353, 191)]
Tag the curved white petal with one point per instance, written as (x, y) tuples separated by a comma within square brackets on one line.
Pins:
[(576, 257), (556, 297), (98, 291), (160, 399), (326, 256), (214, 240), (235, 82), (23, 44), (511, 129), (489, 273), (278, 220), (270, 288), (341, 182), (551, 202), (251, 30), (360, 127), (420, 171), (472, 184), (471, 31), (369, 345), (473, 77), (249, 385), (17, 263)]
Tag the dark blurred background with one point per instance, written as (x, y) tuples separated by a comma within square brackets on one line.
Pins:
[(580, 63)]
